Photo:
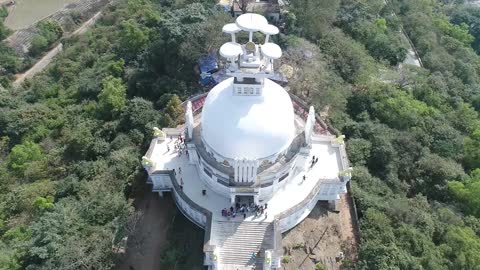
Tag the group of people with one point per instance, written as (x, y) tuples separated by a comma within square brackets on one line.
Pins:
[(312, 162), (244, 209), (179, 145)]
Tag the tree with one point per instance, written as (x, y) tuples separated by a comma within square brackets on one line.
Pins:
[(22, 154), (44, 203), (48, 32), (112, 98), (458, 32), (50, 29), (462, 247), (315, 17), (174, 111), (9, 62), (472, 150), (349, 58), (242, 5), (468, 193), (38, 45), (4, 31), (433, 174), (133, 39), (140, 114), (79, 140), (359, 151)]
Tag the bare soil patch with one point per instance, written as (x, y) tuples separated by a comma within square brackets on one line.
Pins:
[(317, 241), (145, 246), (163, 237)]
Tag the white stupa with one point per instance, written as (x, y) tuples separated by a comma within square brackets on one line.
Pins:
[(248, 116), (248, 126), (247, 143)]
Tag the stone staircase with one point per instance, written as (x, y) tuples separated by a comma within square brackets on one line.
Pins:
[(238, 240)]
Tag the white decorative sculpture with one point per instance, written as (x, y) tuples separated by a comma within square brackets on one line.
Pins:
[(346, 174), (189, 120), (250, 58), (268, 259), (309, 124), (339, 140), (158, 133), (146, 162)]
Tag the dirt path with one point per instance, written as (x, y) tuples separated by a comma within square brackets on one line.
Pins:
[(39, 66), (143, 252), (84, 27), (349, 233)]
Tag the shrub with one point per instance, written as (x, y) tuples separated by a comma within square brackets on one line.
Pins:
[(286, 259), (39, 44)]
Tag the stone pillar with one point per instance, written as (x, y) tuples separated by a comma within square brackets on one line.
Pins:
[(309, 125), (235, 170), (240, 173), (245, 170), (275, 185), (252, 171), (232, 198), (334, 205), (189, 120)]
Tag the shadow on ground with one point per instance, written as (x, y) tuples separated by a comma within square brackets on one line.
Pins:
[(164, 238)]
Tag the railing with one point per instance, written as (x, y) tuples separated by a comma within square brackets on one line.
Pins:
[(302, 109), (414, 49), (151, 148), (355, 220), (277, 244), (298, 207), (197, 102)]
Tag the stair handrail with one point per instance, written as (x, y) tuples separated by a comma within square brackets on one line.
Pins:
[(277, 243)]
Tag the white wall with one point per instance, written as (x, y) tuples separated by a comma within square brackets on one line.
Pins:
[(296, 217), (191, 213)]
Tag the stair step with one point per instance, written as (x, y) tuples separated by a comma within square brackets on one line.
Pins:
[(238, 240)]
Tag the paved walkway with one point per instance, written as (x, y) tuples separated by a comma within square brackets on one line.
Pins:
[(192, 184), (292, 193)]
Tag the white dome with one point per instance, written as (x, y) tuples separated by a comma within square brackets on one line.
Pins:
[(251, 127)]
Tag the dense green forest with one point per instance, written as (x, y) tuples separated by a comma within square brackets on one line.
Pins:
[(9, 62), (413, 133), (71, 139)]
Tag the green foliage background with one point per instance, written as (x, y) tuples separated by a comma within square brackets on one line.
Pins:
[(71, 139)]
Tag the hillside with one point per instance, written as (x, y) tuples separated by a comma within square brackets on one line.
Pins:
[(71, 138)]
